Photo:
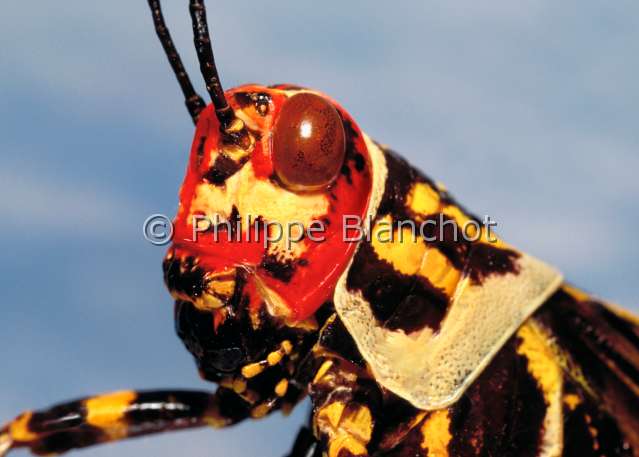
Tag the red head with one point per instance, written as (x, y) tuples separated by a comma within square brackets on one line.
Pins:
[(259, 241), (274, 203)]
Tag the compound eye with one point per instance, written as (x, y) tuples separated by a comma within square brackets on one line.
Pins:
[(309, 143)]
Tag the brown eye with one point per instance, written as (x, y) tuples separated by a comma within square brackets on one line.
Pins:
[(308, 143)]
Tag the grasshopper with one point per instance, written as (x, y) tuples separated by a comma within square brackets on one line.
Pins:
[(440, 341)]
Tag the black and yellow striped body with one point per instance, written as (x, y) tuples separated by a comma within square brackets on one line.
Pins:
[(534, 399), (566, 383)]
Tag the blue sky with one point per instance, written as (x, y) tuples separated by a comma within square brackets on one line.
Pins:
[(526, 110)]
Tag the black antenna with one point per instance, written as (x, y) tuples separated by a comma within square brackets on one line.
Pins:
[(194, 103), (202, 42)]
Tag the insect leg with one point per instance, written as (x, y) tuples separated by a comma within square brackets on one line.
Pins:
[(194, 103), (343, 408), (117, 416)]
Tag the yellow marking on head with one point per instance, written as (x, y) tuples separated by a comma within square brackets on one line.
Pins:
[(572, 401), (423, 199), (234, 152), (247, 115), (281, 388), (215, 203), (255, 198), (107, 412), (436, 434), (404, 251), (19, 429), (358, 424), (236, 126), (206, 302), (347, 443), (252, 370), (224, 288), (239, 386), (323, 370), (274, 358), (439, 271), (258, 197)]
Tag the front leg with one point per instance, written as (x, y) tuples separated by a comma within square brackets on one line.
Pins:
[(343, 408), (120, 415)]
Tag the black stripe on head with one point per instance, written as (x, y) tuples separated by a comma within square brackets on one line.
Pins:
[(183, 276), (280, 269), (259, 100), (223, 168)]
